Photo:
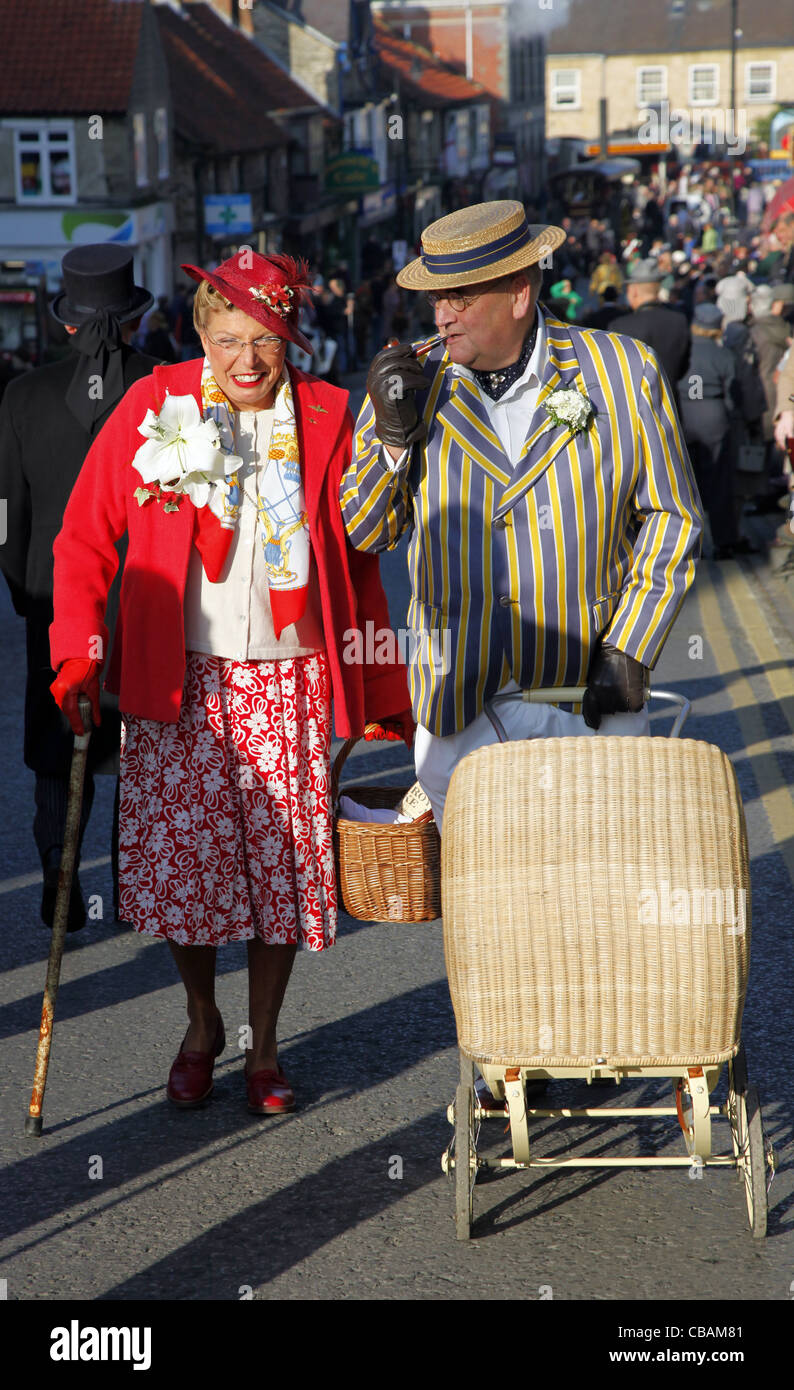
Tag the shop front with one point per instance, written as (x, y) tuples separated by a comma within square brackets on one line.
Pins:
[(41, 238)]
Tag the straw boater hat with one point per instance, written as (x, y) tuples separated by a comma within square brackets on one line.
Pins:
[(482, 242)]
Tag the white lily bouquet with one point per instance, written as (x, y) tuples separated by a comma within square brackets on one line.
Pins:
[(569, 408), (183, 456)]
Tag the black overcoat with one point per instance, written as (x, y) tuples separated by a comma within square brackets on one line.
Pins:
[(42, 448), (665, 330)]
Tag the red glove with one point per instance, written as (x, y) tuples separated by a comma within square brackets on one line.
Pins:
[(77, 676), (393, 727)]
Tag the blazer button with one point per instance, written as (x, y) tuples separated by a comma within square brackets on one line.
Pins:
[(500, 523), (505, 601)]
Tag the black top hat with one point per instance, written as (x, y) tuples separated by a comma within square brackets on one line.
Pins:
[(99, 277)]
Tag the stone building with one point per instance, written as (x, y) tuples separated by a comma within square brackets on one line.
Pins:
[(669, 65)]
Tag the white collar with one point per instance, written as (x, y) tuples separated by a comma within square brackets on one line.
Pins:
[(534, 368)]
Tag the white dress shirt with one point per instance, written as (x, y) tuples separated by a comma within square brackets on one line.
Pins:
[(232, 618)]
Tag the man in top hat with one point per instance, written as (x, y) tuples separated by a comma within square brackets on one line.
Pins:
[(540, 469), (663, 328), (48, 419)]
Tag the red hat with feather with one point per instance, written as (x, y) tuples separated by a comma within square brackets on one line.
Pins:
[(267, 288)]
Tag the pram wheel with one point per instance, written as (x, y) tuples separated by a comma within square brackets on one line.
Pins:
[(465, 1159), (753, 1160)]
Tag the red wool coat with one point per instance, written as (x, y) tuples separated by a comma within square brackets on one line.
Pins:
[(147, 665)]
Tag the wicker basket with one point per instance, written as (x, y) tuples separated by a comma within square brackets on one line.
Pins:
[(587, 884), (386, 873)]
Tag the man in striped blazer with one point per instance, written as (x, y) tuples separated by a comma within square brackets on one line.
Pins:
[(541, 473)]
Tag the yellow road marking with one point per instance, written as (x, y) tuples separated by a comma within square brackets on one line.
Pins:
[(756, 628), (776, 799)]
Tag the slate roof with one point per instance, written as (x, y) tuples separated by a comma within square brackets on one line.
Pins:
[(669, 26), (421, 74), (70, 56), (222, 84)]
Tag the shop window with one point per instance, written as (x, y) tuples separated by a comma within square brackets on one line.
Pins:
[(760, 81), (44, 163), (161, 142), (566, 89), (139, 148), (651, 85), (704, 84)]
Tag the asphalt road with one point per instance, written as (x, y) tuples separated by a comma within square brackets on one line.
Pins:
[(125, 1198)]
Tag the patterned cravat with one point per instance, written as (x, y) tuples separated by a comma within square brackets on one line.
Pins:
[(496, 383)]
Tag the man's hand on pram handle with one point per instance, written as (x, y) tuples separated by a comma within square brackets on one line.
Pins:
[(392, 727), (616, 683)]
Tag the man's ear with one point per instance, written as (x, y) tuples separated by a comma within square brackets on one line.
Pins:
[(523, 301)]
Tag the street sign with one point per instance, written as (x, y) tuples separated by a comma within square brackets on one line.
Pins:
[(352, 173), (228, 215)]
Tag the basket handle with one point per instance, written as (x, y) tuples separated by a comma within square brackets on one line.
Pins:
[(338, 764), (342, 757)]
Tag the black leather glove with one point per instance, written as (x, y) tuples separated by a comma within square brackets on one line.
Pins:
[(394, 376), (615, 684)]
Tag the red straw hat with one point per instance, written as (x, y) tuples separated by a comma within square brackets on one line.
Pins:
[(268, 288)]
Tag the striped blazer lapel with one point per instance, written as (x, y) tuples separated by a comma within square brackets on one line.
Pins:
[(464, 417), (544, 440)]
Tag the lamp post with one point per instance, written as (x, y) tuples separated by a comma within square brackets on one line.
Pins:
[(736, 33)]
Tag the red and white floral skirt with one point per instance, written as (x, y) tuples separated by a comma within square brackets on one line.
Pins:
[(225, 826)]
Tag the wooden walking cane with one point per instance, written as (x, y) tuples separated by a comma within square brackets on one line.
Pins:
[(33, 1120)]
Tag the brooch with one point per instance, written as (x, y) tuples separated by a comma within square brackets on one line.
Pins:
[(278, 298)]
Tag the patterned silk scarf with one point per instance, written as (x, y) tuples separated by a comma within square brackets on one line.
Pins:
[(283, 524)]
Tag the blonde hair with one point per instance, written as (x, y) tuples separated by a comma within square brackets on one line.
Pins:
[(208, 301), (699, 331)]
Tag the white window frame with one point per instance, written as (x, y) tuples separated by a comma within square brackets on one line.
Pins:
[(139, 151), (714, 68), (161, 138), (556, 104), (642, 101), (42, 129), (761, 63)]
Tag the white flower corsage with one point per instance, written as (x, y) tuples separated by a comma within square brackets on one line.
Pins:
[(569, 408), (183, 456)]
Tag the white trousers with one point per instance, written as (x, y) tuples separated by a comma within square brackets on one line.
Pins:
[(436, 758)]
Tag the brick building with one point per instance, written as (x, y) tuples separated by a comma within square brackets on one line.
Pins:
[(492, 43)]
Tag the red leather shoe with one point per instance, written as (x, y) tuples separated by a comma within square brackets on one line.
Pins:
[(190, 1078), (269, 1093)]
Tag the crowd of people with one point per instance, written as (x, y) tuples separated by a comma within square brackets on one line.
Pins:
[(697, 279)]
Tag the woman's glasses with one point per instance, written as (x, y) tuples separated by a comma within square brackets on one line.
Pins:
[(268, 344)]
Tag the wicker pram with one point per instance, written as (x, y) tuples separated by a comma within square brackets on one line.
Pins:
[(596, 910)]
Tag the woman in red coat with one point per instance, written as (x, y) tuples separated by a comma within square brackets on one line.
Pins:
[(239, 595)]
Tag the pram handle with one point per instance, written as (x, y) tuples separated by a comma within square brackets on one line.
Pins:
[(574, 694)]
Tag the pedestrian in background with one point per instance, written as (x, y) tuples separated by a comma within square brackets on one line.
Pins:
[(771, 334), (707, 412), (48, 420), (660, 327)]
